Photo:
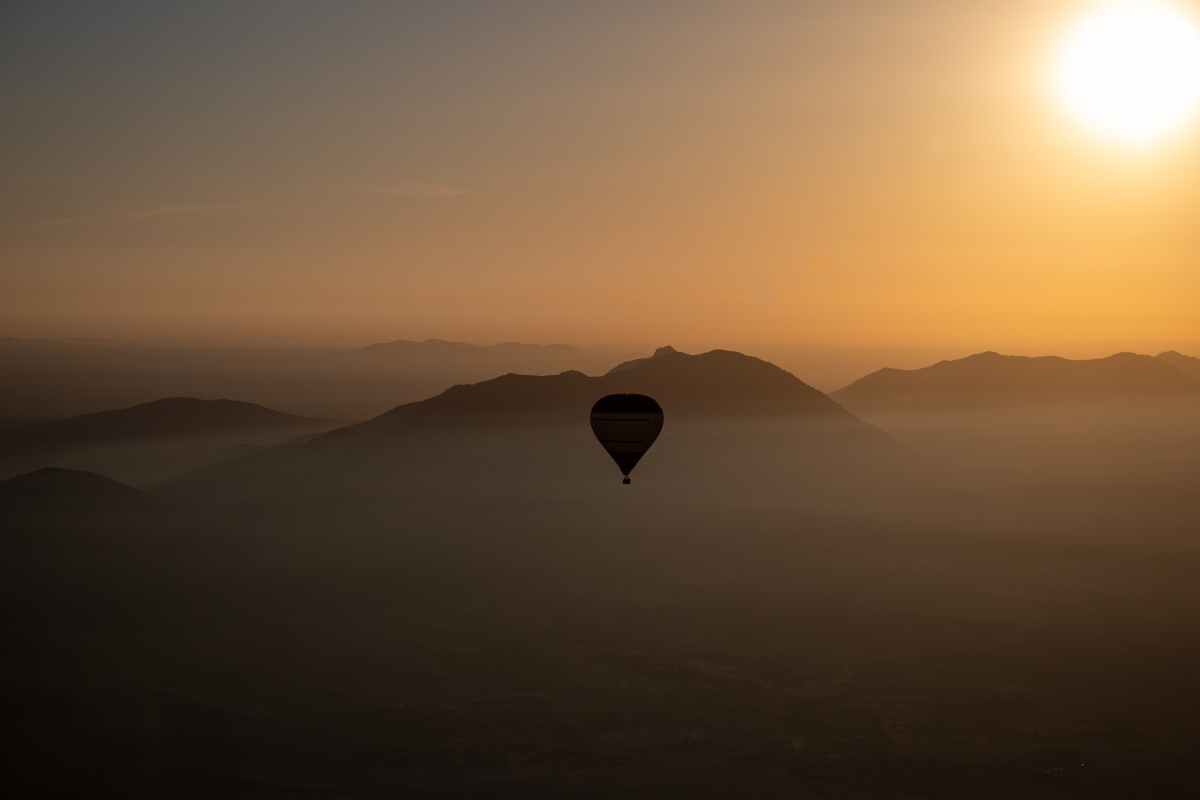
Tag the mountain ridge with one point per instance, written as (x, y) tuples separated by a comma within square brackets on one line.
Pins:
[(990, 379), (453, 345), (1188, 364), (712, 384), (729, 418), (166, 417), (67, 490)]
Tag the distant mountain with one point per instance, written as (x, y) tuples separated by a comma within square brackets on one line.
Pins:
[(720, 383), (443, 347), (441, 355), (74, 491), (57, 379), (173, 417), (1179, 361), (991, 380), (149, 443), (732, 421)]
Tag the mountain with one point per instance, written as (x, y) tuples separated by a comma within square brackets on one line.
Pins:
[(734, 424), (58, 379), (720, 383), (148, 443), (160, 419), (70, 490), (991, 380), (1185, 364), (444, 348), (438, 355)]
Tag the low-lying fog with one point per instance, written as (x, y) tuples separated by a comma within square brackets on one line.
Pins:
[(769, 608)]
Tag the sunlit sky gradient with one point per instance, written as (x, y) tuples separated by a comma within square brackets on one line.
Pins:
[(764, 176)]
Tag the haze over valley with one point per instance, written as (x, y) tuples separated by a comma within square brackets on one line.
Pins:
[(522, 399), (462, 581)]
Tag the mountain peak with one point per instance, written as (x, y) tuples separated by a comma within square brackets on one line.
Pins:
[(665, 353), (1187, 365), (157, 419), (991, 380), (54, 487), (720, 383)]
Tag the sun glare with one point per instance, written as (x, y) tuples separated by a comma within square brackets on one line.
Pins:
[(1130, 70)]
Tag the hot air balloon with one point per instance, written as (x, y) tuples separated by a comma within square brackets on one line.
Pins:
[(627, 425)]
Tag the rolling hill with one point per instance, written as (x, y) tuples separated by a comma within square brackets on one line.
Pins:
[(57, 379), (145, 443), (991, 380), (1185, 364), (720, 383), (76, 490), (732, 421), (166, 418)]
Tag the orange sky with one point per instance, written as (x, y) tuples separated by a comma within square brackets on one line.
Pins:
[(783, 178)]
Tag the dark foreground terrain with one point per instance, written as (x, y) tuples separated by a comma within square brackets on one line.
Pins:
[(776, 608)]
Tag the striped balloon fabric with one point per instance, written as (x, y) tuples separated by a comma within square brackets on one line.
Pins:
[(627, 425)]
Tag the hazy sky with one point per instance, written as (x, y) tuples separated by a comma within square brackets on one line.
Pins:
[(757, 175)]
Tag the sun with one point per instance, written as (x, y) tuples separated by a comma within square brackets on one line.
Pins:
[(1130, 70)]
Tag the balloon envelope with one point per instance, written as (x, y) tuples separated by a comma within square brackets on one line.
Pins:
[(627, 425)]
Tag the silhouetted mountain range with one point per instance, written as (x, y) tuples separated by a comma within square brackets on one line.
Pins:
[(460, 595), (166, 418), (448, 362), (720, 383), (731, 420), (1181, 362), (151, 442), (463, 361), (70, 490), (443, 350), (992, 380), (52, 378)]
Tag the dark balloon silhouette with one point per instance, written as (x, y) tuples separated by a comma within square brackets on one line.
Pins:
[(627, 425)]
